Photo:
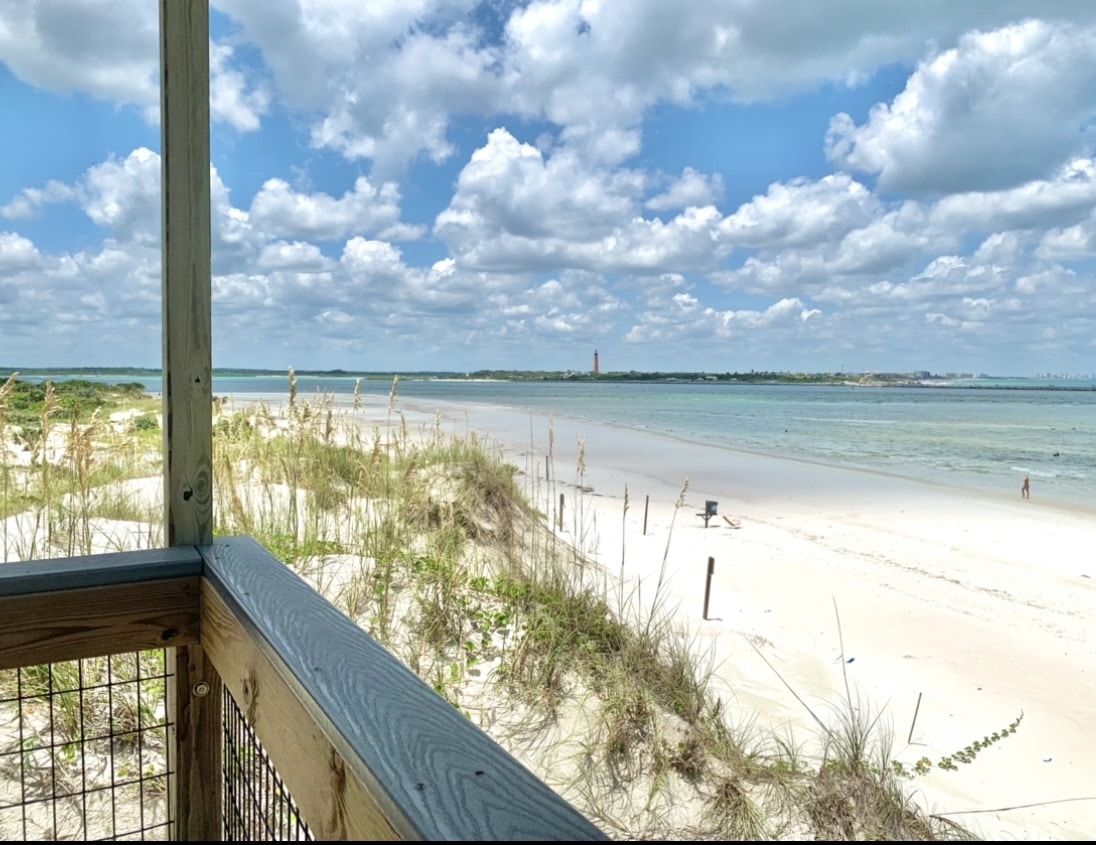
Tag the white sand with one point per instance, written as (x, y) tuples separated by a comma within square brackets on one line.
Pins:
[(982, 605)]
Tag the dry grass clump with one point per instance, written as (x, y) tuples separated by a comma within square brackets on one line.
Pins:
[(429, 542)]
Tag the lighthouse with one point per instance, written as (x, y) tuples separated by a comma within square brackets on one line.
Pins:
[(595, 363)]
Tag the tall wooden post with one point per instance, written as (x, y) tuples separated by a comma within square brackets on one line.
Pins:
[(194, 694), (708, 586)]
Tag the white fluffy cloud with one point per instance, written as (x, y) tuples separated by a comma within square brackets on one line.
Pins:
[(1071, 243), (107, 49), (1064, 198), (690, 190), (232, 99), (802, 212), (17, 254), (123, 196), (976, 212), (510, 185), (682, 318), (283, 212), (384, 80), (110, 50), (967, 117), (514, 208)]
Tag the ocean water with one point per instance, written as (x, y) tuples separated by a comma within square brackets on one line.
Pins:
[(978, 437)]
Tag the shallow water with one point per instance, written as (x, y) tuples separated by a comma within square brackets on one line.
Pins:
[(968, 436)]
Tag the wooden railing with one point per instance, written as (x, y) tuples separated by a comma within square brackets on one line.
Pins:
[(366, 749)]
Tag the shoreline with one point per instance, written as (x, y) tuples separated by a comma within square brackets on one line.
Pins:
[(511, 425), (981, 605)]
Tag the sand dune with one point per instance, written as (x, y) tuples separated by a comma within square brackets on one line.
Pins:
[(981, 605)]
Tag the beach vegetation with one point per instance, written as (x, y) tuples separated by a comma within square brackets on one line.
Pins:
[(456, 560)]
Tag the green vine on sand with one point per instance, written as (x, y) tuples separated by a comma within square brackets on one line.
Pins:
[(963, 755)]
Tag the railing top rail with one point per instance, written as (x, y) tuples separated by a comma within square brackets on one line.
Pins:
[(432, 773), (105, 570)]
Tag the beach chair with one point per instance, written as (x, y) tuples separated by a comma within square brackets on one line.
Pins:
[(710, 509)]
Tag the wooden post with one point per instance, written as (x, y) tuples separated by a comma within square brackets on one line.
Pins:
[(708, 586), (194, 692), (646, 505), (560, 511), (547, 488), (916, 710)]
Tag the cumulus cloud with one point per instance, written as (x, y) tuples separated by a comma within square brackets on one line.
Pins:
[(30, 200), (801, 212), (1072, 243), (1064, 198), (965, 119), (281, 211), (691, 189), (296, 256), (570, 237), (232, 99), (110, 50), (122, 195), (60, 301), (383, 81), (514, 208), (511, 186), (683, 318), (17, 254)]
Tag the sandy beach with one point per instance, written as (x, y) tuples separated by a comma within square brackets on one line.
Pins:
[(983, 606), (980, 606)]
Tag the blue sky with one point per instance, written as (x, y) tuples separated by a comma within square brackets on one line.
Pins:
[(710, 185)]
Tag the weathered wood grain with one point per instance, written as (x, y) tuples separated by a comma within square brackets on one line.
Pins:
[(70, 573), (71, 624), (433, 773), (195, 746), (333, 802), (187, 387)]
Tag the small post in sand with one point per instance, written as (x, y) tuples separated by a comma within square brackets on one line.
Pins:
[(916, 710), (560, 511), (646, 504), (708, 586)]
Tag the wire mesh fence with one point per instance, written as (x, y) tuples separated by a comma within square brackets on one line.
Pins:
[(257, 805), (83, 749), (83, 756)]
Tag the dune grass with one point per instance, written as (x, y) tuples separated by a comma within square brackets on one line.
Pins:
[(434, 544)]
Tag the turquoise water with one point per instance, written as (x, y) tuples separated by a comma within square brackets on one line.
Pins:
[(969, 436)]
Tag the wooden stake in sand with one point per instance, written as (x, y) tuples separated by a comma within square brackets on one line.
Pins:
[(560, 511), (708, 586), (916, 710), (646, 504)]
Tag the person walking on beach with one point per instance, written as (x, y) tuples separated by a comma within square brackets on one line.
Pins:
[(1025, 488)]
